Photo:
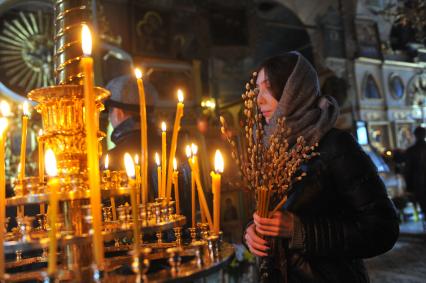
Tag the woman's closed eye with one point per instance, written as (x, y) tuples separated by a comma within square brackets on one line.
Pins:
[(265, 84)]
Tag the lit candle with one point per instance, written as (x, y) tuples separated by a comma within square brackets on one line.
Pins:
[(176, 185), (176, 128), (3, 126), (157, 161), (130, 169), (5, 109), (218, 165), (144, 137), (112, 199), (41, 165), (53, 186), (163, 159), (23, 141), (189, 154), (138, 179), (92, 146), (205, 212)]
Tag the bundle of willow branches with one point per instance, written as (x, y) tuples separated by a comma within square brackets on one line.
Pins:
[(268, 169)]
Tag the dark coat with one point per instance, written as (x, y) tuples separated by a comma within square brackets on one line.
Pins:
[(345, 214), (415, 168), (415, 172)]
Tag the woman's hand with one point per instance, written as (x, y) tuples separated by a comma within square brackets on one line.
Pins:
[(279, 225), (257, 245)]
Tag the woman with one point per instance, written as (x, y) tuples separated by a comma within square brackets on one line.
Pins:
[(340, 212)]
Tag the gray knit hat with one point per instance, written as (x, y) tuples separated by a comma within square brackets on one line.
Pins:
[(124, 93)]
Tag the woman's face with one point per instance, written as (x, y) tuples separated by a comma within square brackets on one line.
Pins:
[(266, 101)]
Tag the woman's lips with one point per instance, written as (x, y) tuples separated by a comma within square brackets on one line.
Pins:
[(266, 113)]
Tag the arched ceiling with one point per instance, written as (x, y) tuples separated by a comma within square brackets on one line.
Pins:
[(307, 10)]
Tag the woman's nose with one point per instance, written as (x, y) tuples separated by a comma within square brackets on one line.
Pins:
[(260, 99)]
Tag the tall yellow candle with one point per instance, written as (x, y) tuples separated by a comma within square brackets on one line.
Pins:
[(176, 185), (173, 145), (40, 156), (92, 147), (144, 137), (163, 159), (111, 199), (41, 165), (157, 161), (130, 169), (53, 186), (205, 213), (138, 179), (3, 126), (23, 140), (188, 154), (203, 202), (218, 164)]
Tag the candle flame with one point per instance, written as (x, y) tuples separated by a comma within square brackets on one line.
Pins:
[(180, 95), (5, 108), (3, 125), (130, 166), (138, 73), (40, 132), (174, 164), (194, 149), (86, 42), (188, 151), (163, 126), (136, 159), (25, 108), (218, 162), (106, 162), (157, 159), (50, 161)]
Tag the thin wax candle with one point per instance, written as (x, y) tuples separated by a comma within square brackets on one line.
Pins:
[(92, 146)]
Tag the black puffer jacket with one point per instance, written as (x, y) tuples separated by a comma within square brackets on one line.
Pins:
[(344, 214)]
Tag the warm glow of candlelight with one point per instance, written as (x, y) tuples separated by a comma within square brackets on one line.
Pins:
[(3, 125), (157, 159), (50, 161), (163, 126), (40, 132), (194, 149), (188, 151), (130, 166), (138, 73), (86, 43), (136, 159), (218, 162), (174, 164), (25, 108), (5, 109), (106, 162), (180, 95)]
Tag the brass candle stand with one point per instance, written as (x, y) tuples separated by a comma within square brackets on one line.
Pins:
[(75, 253)]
